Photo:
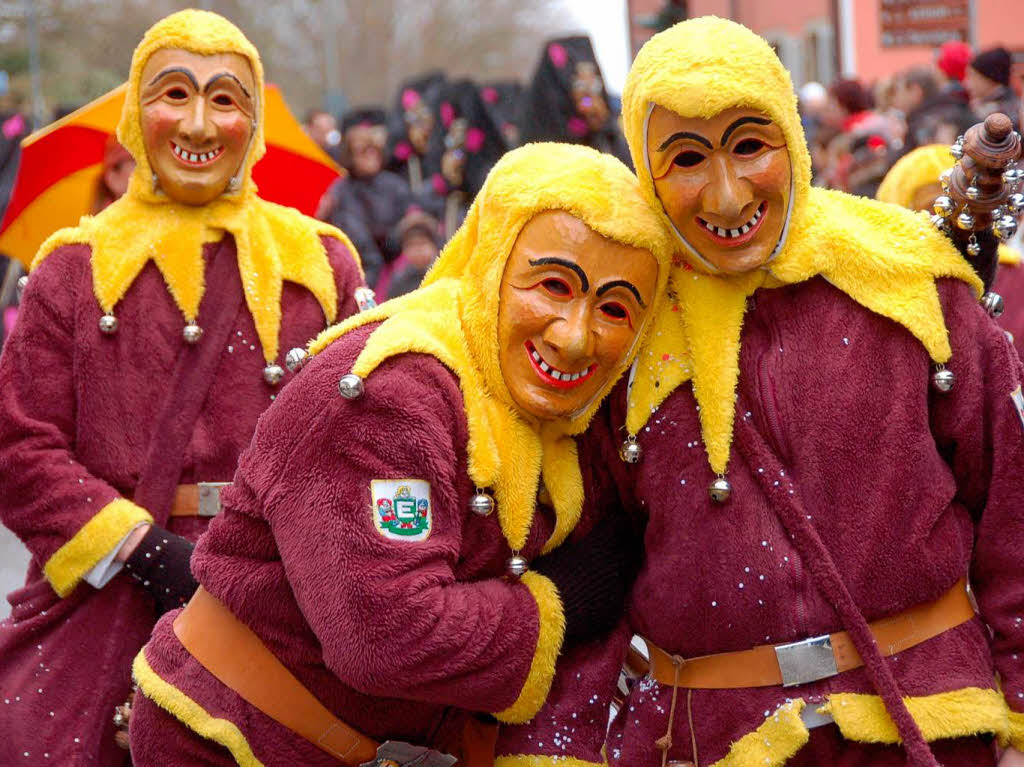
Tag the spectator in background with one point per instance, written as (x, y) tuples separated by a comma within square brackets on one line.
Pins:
[(953, 58), (501, 100), (418, 233), (322, 127), (118, 166), (416, 141), (933, 115), (370, 200), (567, 100), (859, 154), (988, 84)]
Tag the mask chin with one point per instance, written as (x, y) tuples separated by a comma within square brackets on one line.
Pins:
[(690, 248)]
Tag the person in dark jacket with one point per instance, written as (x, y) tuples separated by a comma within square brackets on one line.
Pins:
[(988, 83), (567, 100), (934, 116)]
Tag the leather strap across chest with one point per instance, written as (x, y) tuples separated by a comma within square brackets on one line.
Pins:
[(816, 658)]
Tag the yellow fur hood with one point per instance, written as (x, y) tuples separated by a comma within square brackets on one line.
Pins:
[(453, 317), (884, 258), (274, 243)]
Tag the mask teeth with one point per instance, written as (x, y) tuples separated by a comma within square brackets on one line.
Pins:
[(731, 233)]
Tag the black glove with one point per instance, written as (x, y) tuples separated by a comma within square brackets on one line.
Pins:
[(160, 564), (593, 575)]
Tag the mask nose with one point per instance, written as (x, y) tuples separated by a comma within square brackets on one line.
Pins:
[(570, 334), (197, 126), (725, 195)]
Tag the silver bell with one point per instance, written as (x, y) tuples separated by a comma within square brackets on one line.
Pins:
[(943, 206), (1015, 203), (1004, 228), (191, 333), (943, 380), (108, 324), (273, 374), (516, 565), (993, 304), (957, 150), (351, 386), (630, 451), (940, 223), (1013, 176), (720, 490), (973, 248), (296, 359), (972, 192), (965, 221), (22, 284), (482, 504), (944, 178)]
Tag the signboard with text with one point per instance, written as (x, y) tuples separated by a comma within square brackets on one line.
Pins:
[(920, 22)]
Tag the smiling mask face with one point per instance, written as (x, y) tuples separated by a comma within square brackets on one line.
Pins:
[(197, 119), (724, 182), (571, 305)]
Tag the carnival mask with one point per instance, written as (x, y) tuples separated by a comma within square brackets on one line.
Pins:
[(724, 182), (588, 95), (571, 305), (365, 144), (197, 121)]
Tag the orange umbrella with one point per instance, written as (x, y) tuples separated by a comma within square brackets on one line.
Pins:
[(61, 166)]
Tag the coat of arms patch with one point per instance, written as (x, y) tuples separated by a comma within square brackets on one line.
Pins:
[(401, 508)]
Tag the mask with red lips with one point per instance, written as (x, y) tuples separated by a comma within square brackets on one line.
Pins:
[(725, 183), (571, 305)]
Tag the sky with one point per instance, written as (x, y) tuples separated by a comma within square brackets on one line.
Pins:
[(605, 22)]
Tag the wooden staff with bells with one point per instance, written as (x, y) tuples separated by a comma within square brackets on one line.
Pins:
[(982, 197)]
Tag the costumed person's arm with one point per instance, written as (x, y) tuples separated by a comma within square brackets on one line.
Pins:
[(69, 518), (979, 426), (569, 730), (391, 616)]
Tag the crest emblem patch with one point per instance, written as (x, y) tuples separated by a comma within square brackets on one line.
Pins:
[(1018, 402), (401, 508)]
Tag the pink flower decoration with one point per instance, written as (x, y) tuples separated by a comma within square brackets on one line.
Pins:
[(447, 114), (474, 140), (558, 55), (437, 182), (410, 99), (14, 126), (490, 95), (403, 150), (577, 127)]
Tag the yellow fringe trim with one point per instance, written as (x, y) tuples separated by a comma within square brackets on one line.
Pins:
[(953, 714), (1015, 732), (533, 760), (551, 620), (779, 737), (191, 714), (91, 543)]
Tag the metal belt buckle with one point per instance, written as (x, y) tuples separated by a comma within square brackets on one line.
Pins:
[(394, 753), (806, 661), (209, 498)]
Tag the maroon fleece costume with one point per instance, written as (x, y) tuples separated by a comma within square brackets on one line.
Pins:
[(1010, 285), (297, 557), (910, 489), (76, 417)]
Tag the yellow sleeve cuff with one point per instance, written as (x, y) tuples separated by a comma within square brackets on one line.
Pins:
[(1016, 733), (551, 632), (91, 543), (533, 760)]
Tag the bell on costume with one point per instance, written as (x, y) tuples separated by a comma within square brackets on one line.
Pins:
[(22, 284), (108, 324), (993, 304), (516, 565), (273, 374), (630, 451), (942, 379), (481, 503), (720, 490), (351, 386), (296, 359), (192, 333)]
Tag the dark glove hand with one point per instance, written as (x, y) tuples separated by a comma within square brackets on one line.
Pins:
[(161, 564), (593, 576)]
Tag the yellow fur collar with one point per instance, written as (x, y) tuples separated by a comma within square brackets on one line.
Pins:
[(453, 318)]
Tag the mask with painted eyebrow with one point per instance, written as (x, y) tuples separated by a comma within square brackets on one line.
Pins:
[(560, 339), (724, 183)]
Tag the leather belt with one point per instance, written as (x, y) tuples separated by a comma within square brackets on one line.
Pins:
[(199, 500), (820, 657), (233, 653)]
